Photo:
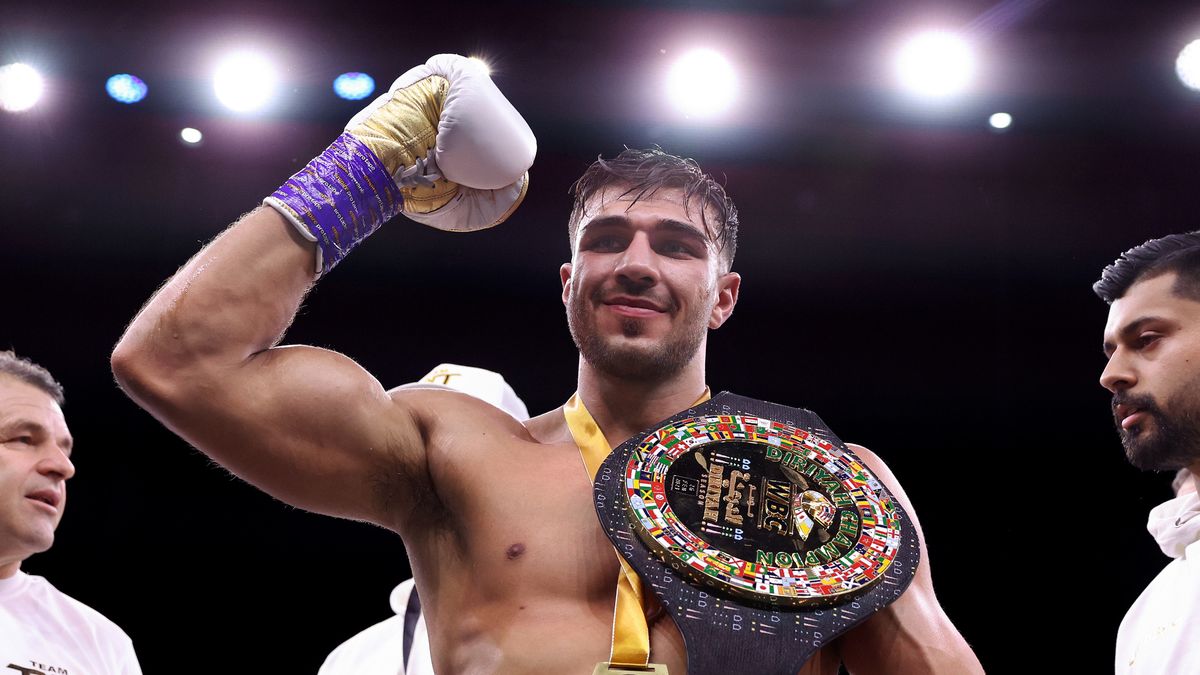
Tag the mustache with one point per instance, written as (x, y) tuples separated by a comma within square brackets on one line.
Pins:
[(1142, 402)]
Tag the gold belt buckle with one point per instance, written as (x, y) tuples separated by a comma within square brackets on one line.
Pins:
[(606, 668)]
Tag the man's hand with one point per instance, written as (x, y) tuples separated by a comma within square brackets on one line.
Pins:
[(308, 425), (442, 146)]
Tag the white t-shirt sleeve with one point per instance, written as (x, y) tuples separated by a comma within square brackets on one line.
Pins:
[(44, 630)]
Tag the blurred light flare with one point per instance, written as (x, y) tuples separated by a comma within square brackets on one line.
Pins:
[(21, 87), (1000, 120), (191, 136), (354, 86), (126, 88), (479, 61), (702, 84), (935, 65), (1187, 65), (245, 81)]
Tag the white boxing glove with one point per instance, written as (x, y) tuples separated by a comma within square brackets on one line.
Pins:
[(455, 145), (442, 146)]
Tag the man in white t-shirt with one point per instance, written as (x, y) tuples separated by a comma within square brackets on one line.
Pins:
[(42, 630), (1152, 341), (400, 644)]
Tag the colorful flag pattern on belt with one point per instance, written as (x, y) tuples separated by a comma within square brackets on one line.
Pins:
[(838, 533)]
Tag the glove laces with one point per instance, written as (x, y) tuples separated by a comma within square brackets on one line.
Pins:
[(424, 172)]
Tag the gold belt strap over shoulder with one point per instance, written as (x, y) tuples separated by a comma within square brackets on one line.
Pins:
[(631, 634)]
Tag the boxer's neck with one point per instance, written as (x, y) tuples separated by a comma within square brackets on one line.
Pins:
[(622, 407)]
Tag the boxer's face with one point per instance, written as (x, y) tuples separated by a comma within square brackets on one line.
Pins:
[(644, 285), (35, 464), (1153, 343)]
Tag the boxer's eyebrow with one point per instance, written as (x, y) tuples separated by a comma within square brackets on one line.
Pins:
[(680, 227), (617, 220), (605, 221), (1128, 332)]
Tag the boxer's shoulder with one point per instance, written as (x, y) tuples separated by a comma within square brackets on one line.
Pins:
[(865, 454), (881, 470), (453, 427), (444, 410), (549, 428)]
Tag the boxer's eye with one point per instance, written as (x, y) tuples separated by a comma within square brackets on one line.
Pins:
[(676, 249), (605, 242), (1147, 340)]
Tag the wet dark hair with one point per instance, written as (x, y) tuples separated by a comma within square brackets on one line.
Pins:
[(30, 373), (645, 172), (1178, 253)]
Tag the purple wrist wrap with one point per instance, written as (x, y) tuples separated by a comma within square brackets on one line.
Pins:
[(342, 196)]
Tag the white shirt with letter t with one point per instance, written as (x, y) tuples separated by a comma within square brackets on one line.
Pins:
[(45, 631)]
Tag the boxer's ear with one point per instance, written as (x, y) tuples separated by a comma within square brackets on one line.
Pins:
[(564, 273), (728, 286)]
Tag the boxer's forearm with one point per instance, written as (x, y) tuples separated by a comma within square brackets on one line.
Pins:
[(231, 301), (309, 425)]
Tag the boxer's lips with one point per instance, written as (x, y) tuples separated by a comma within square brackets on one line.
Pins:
[(633, 306)]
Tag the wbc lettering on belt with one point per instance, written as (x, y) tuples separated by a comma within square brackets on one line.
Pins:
[(761, 510)]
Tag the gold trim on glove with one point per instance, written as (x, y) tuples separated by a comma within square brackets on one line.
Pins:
[(404, 130)]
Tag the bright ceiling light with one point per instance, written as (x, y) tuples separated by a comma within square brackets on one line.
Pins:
[(20, 87), (1000, 120), (191, 136), (935, 65), (702, 84), (126, 88), (354, 86), (245, 82), (1187, 65)]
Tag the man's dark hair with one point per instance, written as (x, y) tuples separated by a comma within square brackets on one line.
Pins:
[(30, 373), (643, 173), (1178, 253)]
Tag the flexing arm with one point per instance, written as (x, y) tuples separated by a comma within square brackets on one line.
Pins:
[(304, 424), (912, 635), (307, 425)]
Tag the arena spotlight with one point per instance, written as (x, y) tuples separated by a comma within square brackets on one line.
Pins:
[(1000, 121), (354, 86), (701, 84), (245, 81), (935, 65), (126, 88), (191, 136), (1187, 65), (20, 87)]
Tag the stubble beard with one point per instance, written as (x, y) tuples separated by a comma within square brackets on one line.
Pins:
[(1169, 440), (636, 363)]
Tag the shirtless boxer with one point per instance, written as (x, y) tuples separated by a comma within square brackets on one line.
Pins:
[(515, 574), (399, 645)]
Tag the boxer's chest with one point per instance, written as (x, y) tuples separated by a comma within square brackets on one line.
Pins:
[(529, 520), (533, 534)]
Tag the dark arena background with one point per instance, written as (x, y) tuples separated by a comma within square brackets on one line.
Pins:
[(914, 275)]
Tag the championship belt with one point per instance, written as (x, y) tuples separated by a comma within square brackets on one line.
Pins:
[(762, 534)]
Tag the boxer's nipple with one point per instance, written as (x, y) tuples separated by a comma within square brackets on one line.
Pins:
[(515, 551)]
